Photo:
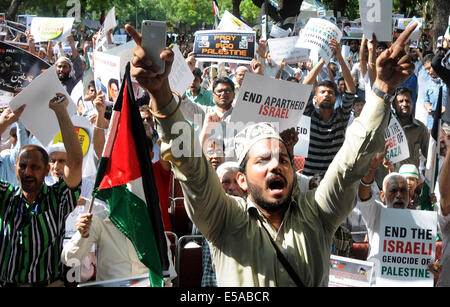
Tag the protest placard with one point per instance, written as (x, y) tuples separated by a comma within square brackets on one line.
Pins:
[(237, 47), (317, 35), (18, 67), (407, 245), (180, 76), (304, 130), (107, 75), (376, 17), (49, 28), (284, 48), (394, 135), (277, 32), (265, 99), (230, 23), (44, 87), (349, 272)]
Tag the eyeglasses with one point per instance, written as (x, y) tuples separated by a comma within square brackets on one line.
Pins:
[(226, 91)]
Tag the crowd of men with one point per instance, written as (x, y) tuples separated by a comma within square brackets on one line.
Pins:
[(267, 216)]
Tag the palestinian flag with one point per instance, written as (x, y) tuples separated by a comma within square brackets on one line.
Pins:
[(432, 166), (216, 13), (125, 181)]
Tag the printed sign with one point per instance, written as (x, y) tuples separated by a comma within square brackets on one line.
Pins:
[(107, 75), (284, 48), (304, 130), (349, 272), (47, 28), (180, 76), (237, 47), (18, 67), (317, 35), (407, 246), (394, 135), (376, 17), (265, 99)]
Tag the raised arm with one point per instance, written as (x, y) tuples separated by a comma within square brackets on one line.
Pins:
[(72, 170), (349, 84), (101, 124), (313, 73)]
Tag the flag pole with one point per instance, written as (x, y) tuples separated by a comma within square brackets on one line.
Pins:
[(91, 203)]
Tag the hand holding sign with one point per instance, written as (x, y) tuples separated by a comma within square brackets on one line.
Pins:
[(394, 66), (9, 117)]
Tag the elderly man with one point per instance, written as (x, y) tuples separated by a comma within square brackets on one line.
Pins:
[(245, 234), (33, 214)]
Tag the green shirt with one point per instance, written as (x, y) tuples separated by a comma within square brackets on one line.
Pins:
[(204, 97), (241, 250), (31, 239)]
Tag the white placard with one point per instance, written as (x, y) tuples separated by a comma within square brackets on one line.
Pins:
[(407, 246), (265, 99), (304, 131), (278, 32), (349, 272), (37, 96), (415, 35), (110, 20), (394, 135), (230, 23), (180, 76), (376, 17), (47, 28), (317, 35), (285, 48)]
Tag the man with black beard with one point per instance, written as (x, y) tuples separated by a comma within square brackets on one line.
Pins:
[(328, 125), (415, 131), (69, 70), (276, 236)]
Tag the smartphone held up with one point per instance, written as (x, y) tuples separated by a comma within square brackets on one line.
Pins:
[(154, 41)]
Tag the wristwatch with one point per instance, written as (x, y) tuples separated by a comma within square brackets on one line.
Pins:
[(383, 95)]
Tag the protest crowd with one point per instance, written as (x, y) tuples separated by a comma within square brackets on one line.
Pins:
[(271, 156)]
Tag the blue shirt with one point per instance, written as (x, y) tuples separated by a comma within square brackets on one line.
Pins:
[(411, 83), (432, 95), (8, 157)]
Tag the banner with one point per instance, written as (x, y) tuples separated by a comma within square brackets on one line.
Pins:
[(376, 17), (285, 48), (107, 75), (216, 46), (265, 99), (304, 130), (407, 246), (349, 272), (37, 116), (394, 135), (48, 28), (317, 35), (18, 67)]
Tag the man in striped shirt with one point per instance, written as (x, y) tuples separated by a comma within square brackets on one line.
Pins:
[(328, 125), (33, 215)]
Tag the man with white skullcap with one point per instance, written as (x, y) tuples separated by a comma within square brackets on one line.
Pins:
[(275, 236), (411, 173), (69, 70)]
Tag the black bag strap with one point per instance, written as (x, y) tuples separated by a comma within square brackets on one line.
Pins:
[(284, 261)]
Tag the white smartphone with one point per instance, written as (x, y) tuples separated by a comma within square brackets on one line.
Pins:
[(154, 41)]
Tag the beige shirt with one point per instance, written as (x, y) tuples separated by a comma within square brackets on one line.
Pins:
[(241, 250)]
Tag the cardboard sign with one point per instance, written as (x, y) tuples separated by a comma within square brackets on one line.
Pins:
[(230, 23), (51, 29), (285, 48), (376, 17), (46, 86), (394, 135), (304, 131), (18, 67), (265, 99), (237, 47), (107, 75), (349, 272), (407, 246), (317, 35)]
